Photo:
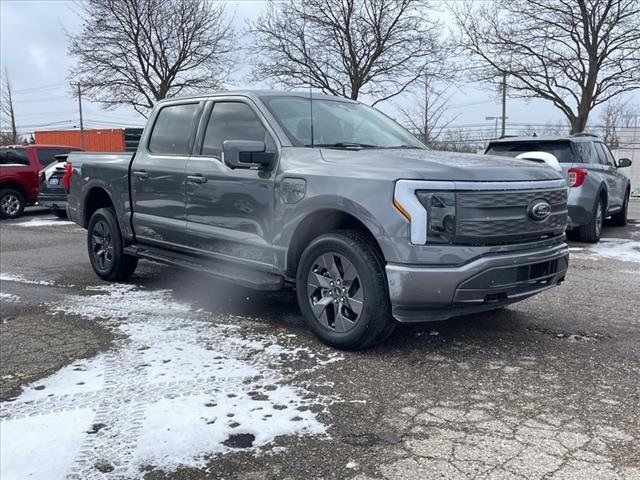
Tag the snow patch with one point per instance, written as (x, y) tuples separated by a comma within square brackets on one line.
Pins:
[(41, 447), (622, 249), (179, 386), (9, 277), (43, 222), (9, 297)]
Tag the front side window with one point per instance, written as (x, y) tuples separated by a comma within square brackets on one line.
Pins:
[(611, 160), (602, 154), (232, 121), (13, 156), (560, 149), (173, 129), (338, 124)]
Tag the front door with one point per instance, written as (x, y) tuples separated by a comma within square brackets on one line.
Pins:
[(158, 176), (230, 211), (616, 182)]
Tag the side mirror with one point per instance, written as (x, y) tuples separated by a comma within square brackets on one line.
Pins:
[(246, 154), (624, 162)]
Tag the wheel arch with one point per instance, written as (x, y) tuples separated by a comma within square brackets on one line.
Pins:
[(319, 222), (14, 185), (96, 197)]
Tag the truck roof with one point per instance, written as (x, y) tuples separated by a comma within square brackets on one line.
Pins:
[(256, 94)]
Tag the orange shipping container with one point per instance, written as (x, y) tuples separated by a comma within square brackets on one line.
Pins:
[(98, 140)]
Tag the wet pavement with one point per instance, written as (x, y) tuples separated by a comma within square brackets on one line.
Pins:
[(178, 376)]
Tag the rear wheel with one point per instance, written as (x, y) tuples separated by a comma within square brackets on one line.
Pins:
[(12, 203), (106, 249), (342, 291), (620, 218), (591, 231)]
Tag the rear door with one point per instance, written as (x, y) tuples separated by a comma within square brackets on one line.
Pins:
[(230, 211), (616, 182), (157, 176)]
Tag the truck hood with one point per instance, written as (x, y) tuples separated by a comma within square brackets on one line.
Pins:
[(432, 165)]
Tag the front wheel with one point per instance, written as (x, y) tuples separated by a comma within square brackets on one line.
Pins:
[(342, 291), (12, 203), (620, 218), (106, 249)]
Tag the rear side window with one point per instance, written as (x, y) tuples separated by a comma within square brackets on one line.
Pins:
[(561, 150), (173, 129), (587, 152), (231, 121), (13, 156), (46, 156)]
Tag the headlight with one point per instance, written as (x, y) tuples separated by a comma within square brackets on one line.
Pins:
[(441, 215), (432, 213)]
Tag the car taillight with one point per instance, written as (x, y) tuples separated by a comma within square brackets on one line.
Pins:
[(577, 176), (66, 178)]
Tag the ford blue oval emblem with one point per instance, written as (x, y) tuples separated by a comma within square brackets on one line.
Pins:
[(539, 210)]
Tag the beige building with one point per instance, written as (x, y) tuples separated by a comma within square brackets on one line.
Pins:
[(629, 147)]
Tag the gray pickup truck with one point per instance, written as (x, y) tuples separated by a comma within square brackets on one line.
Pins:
[(330, 196)]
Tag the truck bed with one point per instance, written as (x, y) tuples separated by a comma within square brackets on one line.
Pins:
[(107, 170)]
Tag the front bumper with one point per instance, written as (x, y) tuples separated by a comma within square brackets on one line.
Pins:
[(430, 293), (53, 201)]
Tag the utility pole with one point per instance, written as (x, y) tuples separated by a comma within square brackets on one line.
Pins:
[(80, 112), (504, 103), (426, 108)]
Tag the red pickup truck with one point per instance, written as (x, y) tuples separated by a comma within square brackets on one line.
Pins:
[(19, 168)]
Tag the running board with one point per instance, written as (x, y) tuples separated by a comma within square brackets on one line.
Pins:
[(246, 277)]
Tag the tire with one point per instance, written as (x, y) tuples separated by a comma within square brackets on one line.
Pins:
[(12, 203), (342, 276), (591, 231), (59, 213), (620, 218), (106, 248)]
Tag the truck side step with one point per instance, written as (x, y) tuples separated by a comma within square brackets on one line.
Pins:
[(216, 268)]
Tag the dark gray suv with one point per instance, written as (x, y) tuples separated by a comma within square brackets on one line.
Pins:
[(597, 187)]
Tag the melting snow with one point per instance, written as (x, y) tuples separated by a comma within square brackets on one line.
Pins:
[(9, 277), (9, 297), (617, 248), (43, 222), (178, 387)]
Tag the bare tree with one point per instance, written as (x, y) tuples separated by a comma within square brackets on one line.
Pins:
[(346, 47), (615, 116), (426, 114), (10, 135), (135, 52), (576, 54)]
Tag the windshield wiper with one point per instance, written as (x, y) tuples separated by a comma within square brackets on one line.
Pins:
[(345, 145)]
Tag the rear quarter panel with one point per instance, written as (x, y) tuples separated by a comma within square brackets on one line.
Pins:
[(106, 171)]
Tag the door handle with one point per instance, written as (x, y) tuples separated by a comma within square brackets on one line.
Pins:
[(197, 178), (141, 174)]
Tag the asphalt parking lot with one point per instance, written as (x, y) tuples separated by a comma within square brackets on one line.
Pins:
[(177, 376)]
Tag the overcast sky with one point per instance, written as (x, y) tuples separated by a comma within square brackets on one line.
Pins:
[(33, 49)]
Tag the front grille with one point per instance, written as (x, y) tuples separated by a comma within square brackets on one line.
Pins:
[(496, 217)]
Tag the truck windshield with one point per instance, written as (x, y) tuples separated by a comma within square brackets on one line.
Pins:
[(338, 124), (561, 150)]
